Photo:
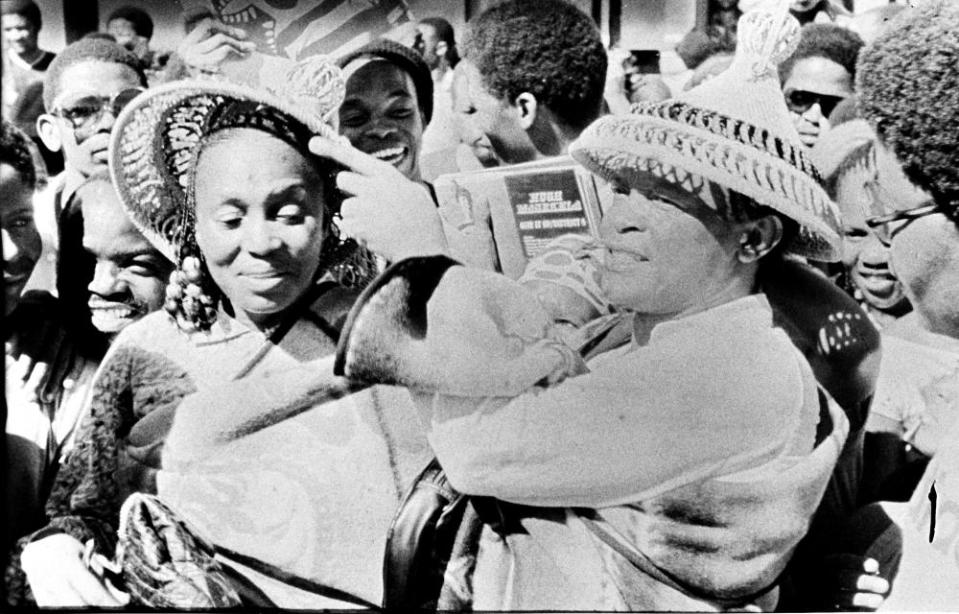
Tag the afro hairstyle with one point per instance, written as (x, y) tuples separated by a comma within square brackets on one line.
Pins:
[(548, 48), (140, 19), (86, 50), (24, 8), (825, 40), (15, 151), (908, 86)]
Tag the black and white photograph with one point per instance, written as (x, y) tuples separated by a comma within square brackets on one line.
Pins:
[(480, 305)]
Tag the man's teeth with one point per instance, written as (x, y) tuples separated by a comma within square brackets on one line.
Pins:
[(385, 154)]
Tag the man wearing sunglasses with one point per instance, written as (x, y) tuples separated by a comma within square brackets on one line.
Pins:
[(819, 75), (908, 90), (83, 91)]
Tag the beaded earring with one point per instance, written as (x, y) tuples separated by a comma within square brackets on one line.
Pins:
[(187, 300)]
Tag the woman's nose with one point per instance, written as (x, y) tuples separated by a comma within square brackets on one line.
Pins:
[(259, 238)]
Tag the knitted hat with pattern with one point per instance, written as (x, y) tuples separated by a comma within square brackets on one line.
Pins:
[(733, 131), (406, 59)]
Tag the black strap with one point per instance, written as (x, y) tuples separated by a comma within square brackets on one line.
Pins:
[(293, 580), (640, 561)]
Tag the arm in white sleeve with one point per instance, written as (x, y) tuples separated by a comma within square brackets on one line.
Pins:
[(650, 420)]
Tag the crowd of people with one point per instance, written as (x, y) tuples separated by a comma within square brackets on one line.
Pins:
[(250, 362)]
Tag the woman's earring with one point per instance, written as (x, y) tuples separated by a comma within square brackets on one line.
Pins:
[(188, 304)]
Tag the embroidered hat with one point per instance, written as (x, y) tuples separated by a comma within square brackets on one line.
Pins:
[(733, 132), (156, 139)]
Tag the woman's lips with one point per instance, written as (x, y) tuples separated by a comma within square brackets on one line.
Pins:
[(617, 260)]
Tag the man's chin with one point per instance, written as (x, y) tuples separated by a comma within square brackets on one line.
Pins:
[(112, 324)]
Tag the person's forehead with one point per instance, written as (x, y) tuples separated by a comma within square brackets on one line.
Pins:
[(14, 190), (13, 20), (97, 78), (426, 30), (821, 76), (896, 188), (379, 77), (107, 231)]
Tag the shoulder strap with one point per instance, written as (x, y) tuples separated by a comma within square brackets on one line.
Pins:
[(612, 538), (293, 580)]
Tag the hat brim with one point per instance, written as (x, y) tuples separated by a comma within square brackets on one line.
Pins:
[(639, 143), (153, 145)]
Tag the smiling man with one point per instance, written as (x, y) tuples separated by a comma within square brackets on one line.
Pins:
[(118, 276), (388, 104), (84, 90)]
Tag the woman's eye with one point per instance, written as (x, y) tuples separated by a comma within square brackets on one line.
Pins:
[(20, 222), (619, 187), (230, 217), (855, 234)]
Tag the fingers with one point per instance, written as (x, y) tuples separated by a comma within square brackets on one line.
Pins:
[(352, 158), (58, 577), (868, 601), (224, 43), (868, 583), (209, 26)]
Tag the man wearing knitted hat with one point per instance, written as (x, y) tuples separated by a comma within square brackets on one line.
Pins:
[(908, 88), (388, 104), (660, 440)]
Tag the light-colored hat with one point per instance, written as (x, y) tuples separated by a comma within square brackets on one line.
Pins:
[(157, 137), (733, 131)]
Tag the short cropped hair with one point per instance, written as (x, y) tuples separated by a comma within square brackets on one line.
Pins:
[(548, 48), (15, 151), (142, 23), (86, 50), (908, 88), (825, 40), (444, 32), (24, 8)]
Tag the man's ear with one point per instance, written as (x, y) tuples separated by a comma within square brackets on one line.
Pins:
[(49, 132), (759, 237), (441, 49), (526, 108)]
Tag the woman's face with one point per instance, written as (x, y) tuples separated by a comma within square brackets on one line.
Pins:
[(666, 251), (259, 209)]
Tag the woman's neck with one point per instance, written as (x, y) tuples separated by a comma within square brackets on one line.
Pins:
[(644, 323)]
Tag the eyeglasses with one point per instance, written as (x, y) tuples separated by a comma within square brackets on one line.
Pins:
[(882, 224), (800, 101), (85, 113)]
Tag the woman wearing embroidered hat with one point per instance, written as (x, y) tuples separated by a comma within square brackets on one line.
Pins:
[(268, 461), (681, 470)]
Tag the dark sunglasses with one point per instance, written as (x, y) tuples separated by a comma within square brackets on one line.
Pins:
[(84, 114), (800, 101)]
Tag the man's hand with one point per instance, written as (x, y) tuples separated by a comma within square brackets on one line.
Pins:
[(853, 582), (211, 43), (59, 576), (393, 216)]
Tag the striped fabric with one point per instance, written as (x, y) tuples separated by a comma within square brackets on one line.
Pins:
[(301, 28)]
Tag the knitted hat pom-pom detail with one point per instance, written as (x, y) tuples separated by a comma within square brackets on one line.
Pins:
[(766, 38)]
